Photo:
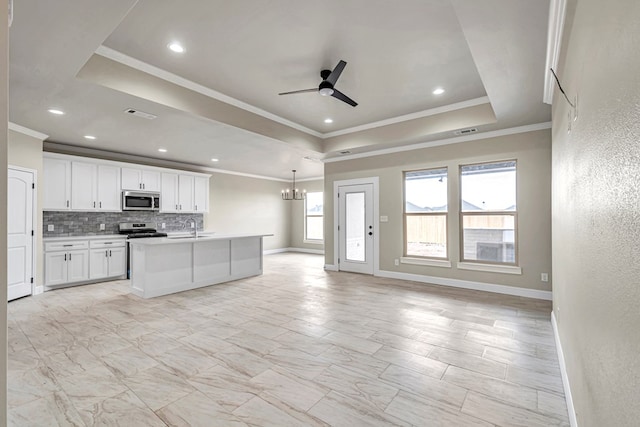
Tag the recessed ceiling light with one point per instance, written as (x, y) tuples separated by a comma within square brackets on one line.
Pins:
[(90, 137), (176, 47), (438, 91), (214, 160), (57, 112), (328, 121), (162, 150)]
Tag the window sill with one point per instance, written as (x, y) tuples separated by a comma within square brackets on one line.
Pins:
[(491, 268), (314, 242), (428, 262)]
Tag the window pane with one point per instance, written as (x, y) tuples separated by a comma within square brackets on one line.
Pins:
[(426, 191), (489, 187), (314, 203), (314, 228), (427, 236), (489, 238), (355, 226)]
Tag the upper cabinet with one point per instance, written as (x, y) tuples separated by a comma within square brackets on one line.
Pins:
[(57, 184), (84, 184), (140, 179)]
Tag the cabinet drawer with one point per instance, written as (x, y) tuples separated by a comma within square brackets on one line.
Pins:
[(111, 243), (66, 246)]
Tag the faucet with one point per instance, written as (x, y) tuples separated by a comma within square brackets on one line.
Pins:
[(188, 222)]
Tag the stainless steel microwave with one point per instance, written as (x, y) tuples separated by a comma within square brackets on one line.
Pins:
[(140, 201)]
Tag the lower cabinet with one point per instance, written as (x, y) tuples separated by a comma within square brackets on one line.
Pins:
[(83, 260)]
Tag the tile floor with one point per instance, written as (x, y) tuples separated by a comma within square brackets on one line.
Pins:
[(295, 346)]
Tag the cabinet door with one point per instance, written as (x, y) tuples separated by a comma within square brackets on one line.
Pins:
[(83, 186), (117, 261), (77, 266), (150, 180), (55, 268), (98, 263), (185, 193), (108, 189), (131, 179), (169, 195), (57, 184), (201, 194)]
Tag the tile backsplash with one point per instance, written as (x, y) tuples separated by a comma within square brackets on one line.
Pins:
[(88, 223)]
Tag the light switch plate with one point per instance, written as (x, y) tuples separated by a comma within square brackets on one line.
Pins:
[(384, 218), (102, 228), (50, 227), (163, 225)]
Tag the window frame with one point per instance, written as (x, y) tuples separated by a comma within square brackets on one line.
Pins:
[(405, 215), (305, 239), (514, 214)]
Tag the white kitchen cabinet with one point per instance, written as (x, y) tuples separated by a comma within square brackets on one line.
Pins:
[(185, 193), (66, 267), (200, 194), (169, 194), (107, 258), (95, 187), (140, 179), (57, 184)]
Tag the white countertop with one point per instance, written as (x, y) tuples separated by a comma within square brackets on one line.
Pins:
[(202, 237), (92, 237)]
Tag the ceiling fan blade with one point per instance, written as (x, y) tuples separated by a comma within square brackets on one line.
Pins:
[(342, 97), (333, 77), (315, 89)]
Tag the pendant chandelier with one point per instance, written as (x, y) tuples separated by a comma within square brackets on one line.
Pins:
[(295, 194)]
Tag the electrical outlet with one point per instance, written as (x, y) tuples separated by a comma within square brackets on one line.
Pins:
[(163, 226), (50, 227), (193, 224), (396, 262), (102, 228), (544, 277), (384, 218)]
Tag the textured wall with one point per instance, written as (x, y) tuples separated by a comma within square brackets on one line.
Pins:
[(87, 223), (532, 150), (596, 211)]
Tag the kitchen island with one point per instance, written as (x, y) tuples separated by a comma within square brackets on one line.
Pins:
[(162, 266)]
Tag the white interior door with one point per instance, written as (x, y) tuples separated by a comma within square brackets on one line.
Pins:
[(20, 233), (356, 228)]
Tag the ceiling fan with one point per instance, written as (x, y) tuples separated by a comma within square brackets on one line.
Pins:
[(326, 87)]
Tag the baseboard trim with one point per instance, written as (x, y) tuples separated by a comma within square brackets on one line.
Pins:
[(38, 290), (563, 372), (330, 267), (302, 250), (465, 284)]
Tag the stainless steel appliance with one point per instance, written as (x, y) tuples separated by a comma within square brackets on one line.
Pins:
[(140, 201), (137, 230)]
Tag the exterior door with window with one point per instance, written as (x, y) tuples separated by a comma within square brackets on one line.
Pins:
[(356, 228)]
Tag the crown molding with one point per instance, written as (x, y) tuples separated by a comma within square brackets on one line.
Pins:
[(448, 141), (411, 116), (26, 131), (557, 10)]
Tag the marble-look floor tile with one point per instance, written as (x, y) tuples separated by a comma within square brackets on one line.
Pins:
[(185, 361), (470, 362), (553, 405), (157, 387), (258, 412), (197, 410), (502, 414), (420, 411), (352, 342), (354, 360), (101, 345), (531, 363), (243, 361), (536, 380), (52, 410), (253, 342), (421, 364), (295, 392), (299, 362), (155, 343), (400, 343), (305, 343), (27, 385), (124, 409), (226, 387), (88, 388), (128, 361), (74, 360)]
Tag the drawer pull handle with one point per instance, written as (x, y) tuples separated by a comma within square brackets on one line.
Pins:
[(108, 243), (67, 246)]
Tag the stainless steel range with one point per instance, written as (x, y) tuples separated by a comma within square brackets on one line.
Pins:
[(137, 230)]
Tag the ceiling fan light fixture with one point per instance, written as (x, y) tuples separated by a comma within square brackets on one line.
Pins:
[(326, 91)]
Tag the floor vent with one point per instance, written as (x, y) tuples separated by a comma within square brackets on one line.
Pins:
[(465, 131), (138, 113)]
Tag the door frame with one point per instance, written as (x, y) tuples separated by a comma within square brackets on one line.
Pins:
[(34, 224), (374, 180)]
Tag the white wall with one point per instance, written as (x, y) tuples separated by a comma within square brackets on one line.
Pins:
[(596, 211)]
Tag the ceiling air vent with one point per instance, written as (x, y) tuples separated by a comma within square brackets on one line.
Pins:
[(465, 131), (345, 152), (139, 113)]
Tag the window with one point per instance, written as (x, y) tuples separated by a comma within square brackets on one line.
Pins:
[(313, 221), (488, 212), (425, 213)]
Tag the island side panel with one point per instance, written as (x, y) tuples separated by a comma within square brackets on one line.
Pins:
[(246, 257), (212, 261)]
